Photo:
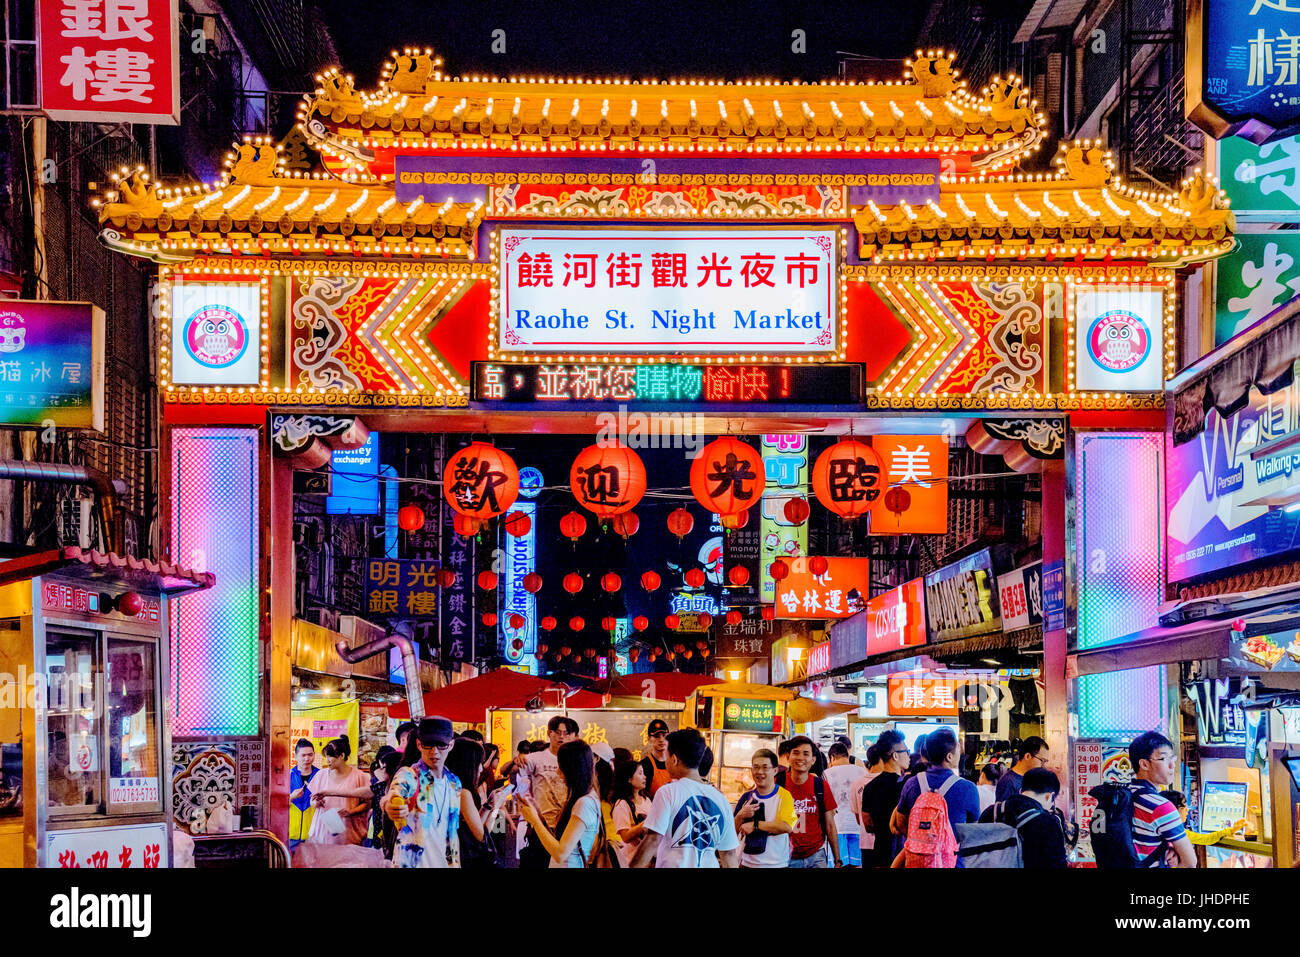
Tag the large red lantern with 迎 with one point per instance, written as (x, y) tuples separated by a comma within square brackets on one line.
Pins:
[(727, 476), (607, 479), (625, 524), (848, 478), (573, 526), (680, 522), (410, 518), (480, 481)]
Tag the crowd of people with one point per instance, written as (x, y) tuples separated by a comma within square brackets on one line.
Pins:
[(445, 800)]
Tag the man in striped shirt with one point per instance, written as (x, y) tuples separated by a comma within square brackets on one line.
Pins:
[(1156, 821)]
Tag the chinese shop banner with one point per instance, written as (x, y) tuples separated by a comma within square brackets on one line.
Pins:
[(320, 720), (134, 845), (1261, 275), (838, 593), (1262, 182), (116, 61), (1020, 597), (692, 291), (216, 333), (896, 618), (917, 464), (785, 466), (961, 599), (52, 364), (618, 728), (910, 696)]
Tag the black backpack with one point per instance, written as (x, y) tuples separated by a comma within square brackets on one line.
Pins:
[(1111, 830)]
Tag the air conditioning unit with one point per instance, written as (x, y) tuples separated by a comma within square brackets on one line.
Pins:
[(77, 521)]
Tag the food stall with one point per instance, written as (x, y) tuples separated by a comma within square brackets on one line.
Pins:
[(737, 718), (86, 755)]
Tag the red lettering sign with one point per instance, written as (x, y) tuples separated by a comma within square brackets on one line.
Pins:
[(896, 619)]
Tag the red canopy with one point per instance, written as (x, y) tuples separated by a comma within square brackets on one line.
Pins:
[(467, 701), (659, 685)]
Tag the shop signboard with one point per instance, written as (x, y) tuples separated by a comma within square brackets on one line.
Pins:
[(925, 695), (615, 727), (918, 465), (961, 599), (749, 714), (1054, 596), (819, 659), (873, 701), (457, 614), (1262, 182), (52, 364), (216, 333), (355, 479), (1119, 338), (1277, 651), (111, 63), (748, 638), (520, 560), (1096, 763), (681, 291), (840, 592), (132, 845), (1260, 275), (1219, 722), (785, 466), (1227, 503), (1020, 597), (896, 619)]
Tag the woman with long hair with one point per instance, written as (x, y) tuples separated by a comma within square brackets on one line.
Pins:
[(579, 823), (341, 787), (631, 808), (466, 762), (487, 779)]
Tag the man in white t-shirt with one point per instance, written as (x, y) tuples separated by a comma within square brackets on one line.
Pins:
[(842, 777), (692, 818), (541, 782), (764, 816), (866, 838)]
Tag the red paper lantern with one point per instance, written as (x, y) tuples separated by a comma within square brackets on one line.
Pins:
[(650, 580), (625, 524), (466, 526), (487, 580), (688, 654), (680, 522), (779, 569), (705, 619), (671, 655), (130, 603), (517, 621), (446, 577), (576, 623), (848, 478), (738, 575), (564, 651), (701, 644), (733, 617), (490, 619), (577, 659), (768, 612), (410, 517), (609, 623), (480, 481), (610, 582), (818, 565), (640, 623), (705, 653), (727, 476), (735, 520), (634, 653), (532, 583), (672, 621), (548, 623), (607, 479), (517, 524), (573, 583), (898, 500), (694, 577), (679, 647), (517, 644), (543, 648), (573, 526), (590, 652), (797, 511)]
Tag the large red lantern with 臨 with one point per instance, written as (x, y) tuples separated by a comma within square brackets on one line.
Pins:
[(607, 479), (480, 481), (573, 526), (848, 478), (680, 522), (727, 476)]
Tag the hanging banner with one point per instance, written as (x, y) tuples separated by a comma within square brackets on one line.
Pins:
[(52, 364), (896, 619), (1260, 276), (841, 591), (1020, 597), (521, 559), (355, 480), (961, 599), (918, 466), (785, 465), (1262, 182), (922, 696), (691, 291), (458, 615), (1119, 339), (216, 333)]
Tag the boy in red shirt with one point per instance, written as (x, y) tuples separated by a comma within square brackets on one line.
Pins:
[(814, 819)]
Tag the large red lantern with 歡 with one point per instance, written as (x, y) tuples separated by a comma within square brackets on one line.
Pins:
[(680, 522), (480, 481), (625, 524), (573, 526), (573, 583), (849, 478), (607, 479), (650, 580), (727, 476)]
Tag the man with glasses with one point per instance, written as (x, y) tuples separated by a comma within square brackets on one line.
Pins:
[(880, 797), (1042, 842), (424, 800), (1031, 753), (656, 762), (764, 816), (541, 782)]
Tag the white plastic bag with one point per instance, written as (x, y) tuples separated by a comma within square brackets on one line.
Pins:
[(338, 855), (182, 848), (221, 820), (327, 827)]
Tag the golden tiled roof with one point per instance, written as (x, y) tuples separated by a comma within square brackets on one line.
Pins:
[(930, 111), (1082, 209), (258, 208)]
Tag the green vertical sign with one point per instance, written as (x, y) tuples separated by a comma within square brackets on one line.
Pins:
[(1259, 276), (1262, 182)]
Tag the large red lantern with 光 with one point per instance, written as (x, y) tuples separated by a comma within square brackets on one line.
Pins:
[(607, 479), (650, 580), (849, 478), (779, 569), (738, 575), (517, 524), (487, 580), (410, 518), (532, 583), (797, 511), (640, 623), (480, 481), (625, 524), (573, 526), (610, 582), (680, 522), (694, 577), (573, 583), (467, 526), (727, 476)]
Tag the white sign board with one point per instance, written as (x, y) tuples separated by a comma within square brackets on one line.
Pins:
[(693, 291), (216, 336), (136, 845), (1119, 341)]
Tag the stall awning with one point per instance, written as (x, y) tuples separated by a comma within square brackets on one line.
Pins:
[(1157, 646), (468, 701), (102, 567), (656, 685), (743, 689), (802, 710)]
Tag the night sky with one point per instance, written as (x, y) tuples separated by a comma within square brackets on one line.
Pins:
[(635, 39)]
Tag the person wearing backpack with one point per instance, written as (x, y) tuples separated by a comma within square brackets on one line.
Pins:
[(931, 802), (1133, 825), (814, 807), (1042, 843)]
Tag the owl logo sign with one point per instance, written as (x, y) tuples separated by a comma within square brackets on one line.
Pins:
[(13, 332), (1118, 341), (216, 336)]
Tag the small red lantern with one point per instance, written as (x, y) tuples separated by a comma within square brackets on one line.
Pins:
[(543, 648), (701, 644), (680, 522), (577, 659), (797, 511), (679, 647), (548, 623), (625, 524), (779, 569), (818, 565), (490, 619), (695, 577), (517, 644), (516, 620), (705, 653), (738, 575), (735, 520), (410, 518), (576, 623), (705, 619), (487, 580), (609, 623), (590, 653), (671, 655), (688, 654), (610, 582), (733, 617), (898, 500), (573, 583), (565, 650), (446, 577), (634, 653), (517, 524), (672, 621), (573, 526), (466, 525), (768, 612), (130, 603), (640, 623), (532, 583), (650, 580)]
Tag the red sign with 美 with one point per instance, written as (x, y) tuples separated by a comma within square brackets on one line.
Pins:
[(110, 61), (922, 696)]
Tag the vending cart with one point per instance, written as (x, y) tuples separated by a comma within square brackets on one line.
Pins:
[(737, 718), (86, 777)]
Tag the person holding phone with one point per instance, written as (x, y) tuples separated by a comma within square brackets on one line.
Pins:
[(631, 807), (765, 816)]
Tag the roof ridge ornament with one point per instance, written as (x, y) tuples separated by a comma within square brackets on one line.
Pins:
[(934, 72)]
